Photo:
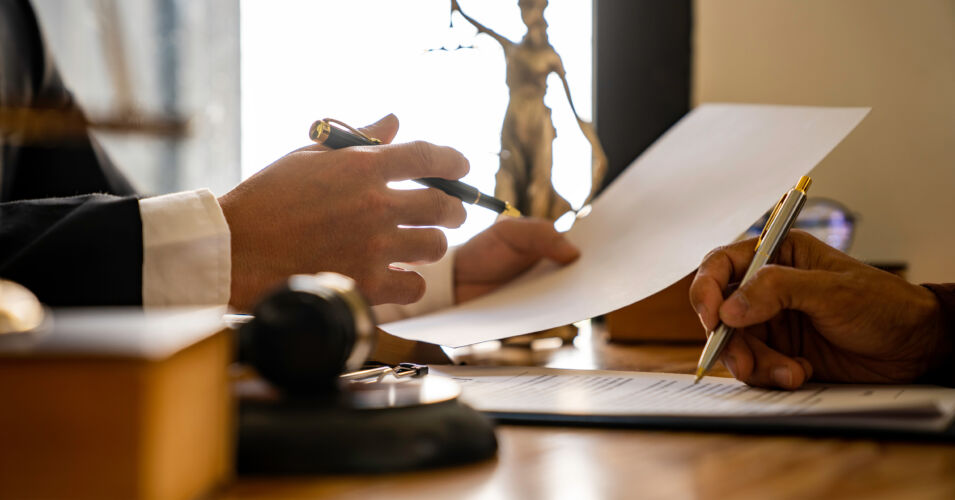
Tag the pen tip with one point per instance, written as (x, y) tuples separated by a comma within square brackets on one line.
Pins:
[(699, 376)]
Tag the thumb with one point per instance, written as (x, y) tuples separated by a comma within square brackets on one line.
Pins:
[(775, 288), (537, 238), (384, 129)]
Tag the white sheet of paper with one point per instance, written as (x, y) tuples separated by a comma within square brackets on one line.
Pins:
[(537, 390), (701, 185)]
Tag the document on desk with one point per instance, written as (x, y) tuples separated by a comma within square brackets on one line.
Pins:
[(701, 185), (535, 393)]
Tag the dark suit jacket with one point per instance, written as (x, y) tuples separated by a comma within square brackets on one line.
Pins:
[(70, 229)]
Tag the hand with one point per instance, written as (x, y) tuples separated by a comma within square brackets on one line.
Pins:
[(316, 210), (818, 314), (505, 250)]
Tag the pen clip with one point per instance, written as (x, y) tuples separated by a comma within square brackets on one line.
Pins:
[(769, 221), (350, 129)]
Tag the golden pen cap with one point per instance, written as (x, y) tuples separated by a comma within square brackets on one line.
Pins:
[(319, 131)]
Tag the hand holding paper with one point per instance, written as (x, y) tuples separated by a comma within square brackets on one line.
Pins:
[(699, 186)]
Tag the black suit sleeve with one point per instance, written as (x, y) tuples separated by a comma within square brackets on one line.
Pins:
[(70, 228), (77, 251)]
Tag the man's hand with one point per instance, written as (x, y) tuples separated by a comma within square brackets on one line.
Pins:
[(503, 251), (316, 210), (818, 314)]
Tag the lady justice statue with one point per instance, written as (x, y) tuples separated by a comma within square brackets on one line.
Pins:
[(527, 136)]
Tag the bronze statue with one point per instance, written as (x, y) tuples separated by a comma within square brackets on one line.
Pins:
[(527, 136)]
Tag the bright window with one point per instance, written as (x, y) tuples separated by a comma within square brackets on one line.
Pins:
[(361, 59)]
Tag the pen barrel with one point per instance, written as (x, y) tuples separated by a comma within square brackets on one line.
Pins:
[(460, 190), (776, 232), (338, 139)]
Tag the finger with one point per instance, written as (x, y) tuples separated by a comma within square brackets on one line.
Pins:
[(775, 288), (428, 207), (394, 286), (413, 160), (718, 269), (418, 245), (773, 369), (737, 357), (806, 366), (536, 238), (384, 130)]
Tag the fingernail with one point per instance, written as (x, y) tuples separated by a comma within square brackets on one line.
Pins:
[(730, 363), (703, 323), (783, 376), (736, 305)]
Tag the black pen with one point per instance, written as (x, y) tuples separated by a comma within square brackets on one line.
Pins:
[(345, 136)]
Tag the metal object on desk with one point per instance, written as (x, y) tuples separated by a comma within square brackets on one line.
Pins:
[(316, 419), (304, 334)]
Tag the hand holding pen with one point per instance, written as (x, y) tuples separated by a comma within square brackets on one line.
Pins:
[(817, 313), (333, 211), (777, 227)]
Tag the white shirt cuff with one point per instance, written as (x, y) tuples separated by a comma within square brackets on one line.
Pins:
[(187, 258), (439, 293)]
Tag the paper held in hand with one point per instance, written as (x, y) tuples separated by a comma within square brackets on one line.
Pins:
[(699, 186)]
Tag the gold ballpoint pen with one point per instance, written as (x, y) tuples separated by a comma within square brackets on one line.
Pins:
[(777, 227)]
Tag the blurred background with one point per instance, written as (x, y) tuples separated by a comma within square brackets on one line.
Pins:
[(247, 77)]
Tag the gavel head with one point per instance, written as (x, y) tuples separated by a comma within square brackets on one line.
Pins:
[(307, 332)]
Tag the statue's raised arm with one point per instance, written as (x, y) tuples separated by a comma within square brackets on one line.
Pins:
[(505, 43)]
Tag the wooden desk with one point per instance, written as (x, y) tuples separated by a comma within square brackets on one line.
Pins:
[(568, 462)]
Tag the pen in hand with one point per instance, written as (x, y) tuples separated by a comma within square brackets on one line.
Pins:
[(780, 221), (345, 136)]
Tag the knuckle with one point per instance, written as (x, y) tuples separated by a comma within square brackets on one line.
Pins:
[(449, 211), (423, 152), (373, 286), (376, 203), (712, 255), (769, 277), (377, 247), (356, 158), (799, 236), (438, 204), (366, 164)]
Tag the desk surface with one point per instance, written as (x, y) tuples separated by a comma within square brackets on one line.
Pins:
[(570, 462)]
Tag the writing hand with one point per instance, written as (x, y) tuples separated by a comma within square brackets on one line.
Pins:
[(505, 250), (818, 314), (315, 210)]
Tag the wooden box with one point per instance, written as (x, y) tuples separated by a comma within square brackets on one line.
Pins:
[(129, 414), (665, 316)]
